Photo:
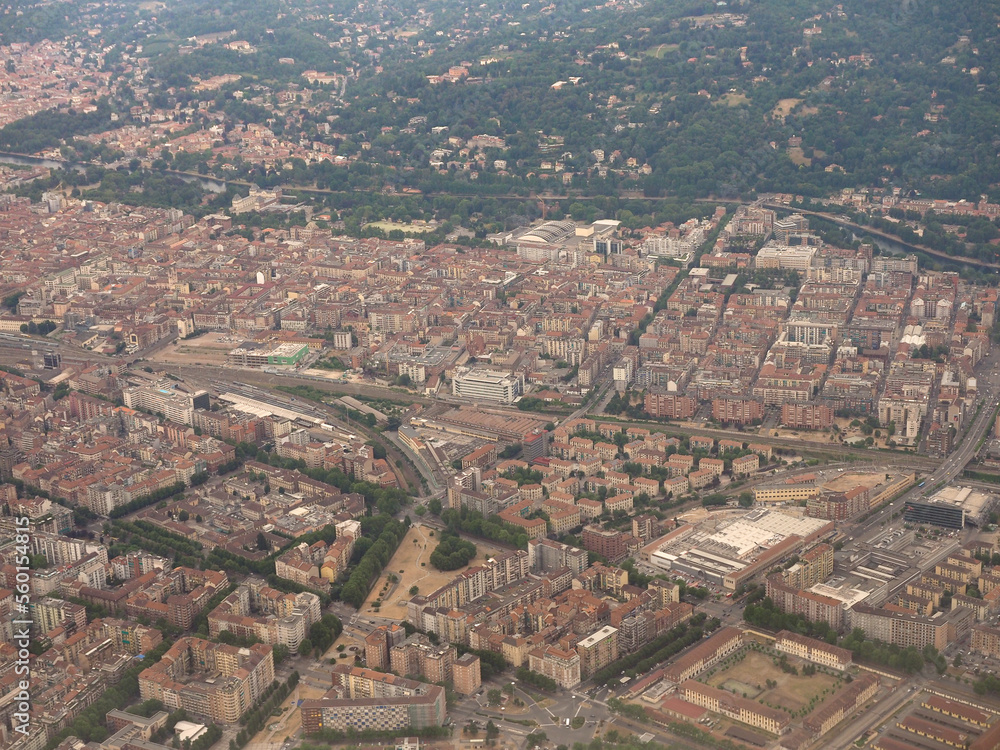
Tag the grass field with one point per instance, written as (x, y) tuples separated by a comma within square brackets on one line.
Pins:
[(798, 157), (784, 107), (411, 565), (792, 691), (733, 100), (660, 51)]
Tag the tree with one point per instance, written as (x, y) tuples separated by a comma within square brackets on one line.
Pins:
[(494, 697), (492, 730), (535, 739), (262, 543), (434, 506), (305, 647), (183, 516), (452, 552)]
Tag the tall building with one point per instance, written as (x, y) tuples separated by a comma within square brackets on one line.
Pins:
[(597, 650), (177, 406), (418, 656), (546, 555), (466, 674), (378, 644)]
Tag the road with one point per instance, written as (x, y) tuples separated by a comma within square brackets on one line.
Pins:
[(847, 734)]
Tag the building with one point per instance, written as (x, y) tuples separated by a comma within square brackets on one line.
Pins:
[(950, 507), (842, 704), (256, 610), (481, 457), (559, 664), (738, 410), (806, 415), (703, 655), (208, 679), (986, 640), (741, 709), (597, 650), (466, 674), (486, 385), (814, 566), (365, 700), (908, 629), (379, 642), (745, 465), (669, 405), (810, 605), (790, 491), (175, 405), (418, 656), (613, 546), (814, 650), (546, 555)]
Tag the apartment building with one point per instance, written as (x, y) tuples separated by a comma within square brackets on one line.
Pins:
[(561, 665), (614, 546), (365, 700), (208, 679), (814, 566), (597, 650), (546, 555), (986, 640), (908, 629), (467, 674), (810, 605)]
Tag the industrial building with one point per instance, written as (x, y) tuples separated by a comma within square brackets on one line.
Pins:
[(717, 550)]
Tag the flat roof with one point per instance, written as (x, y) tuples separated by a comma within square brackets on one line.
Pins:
[(600, 635)]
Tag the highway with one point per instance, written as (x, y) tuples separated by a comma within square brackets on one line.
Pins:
[(949, 469)]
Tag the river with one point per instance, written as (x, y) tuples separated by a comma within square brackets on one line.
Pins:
[(207, 183)]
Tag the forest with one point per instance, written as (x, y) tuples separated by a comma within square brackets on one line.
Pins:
[(871, 93)]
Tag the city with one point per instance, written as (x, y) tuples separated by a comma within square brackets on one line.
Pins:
[(561, 376)]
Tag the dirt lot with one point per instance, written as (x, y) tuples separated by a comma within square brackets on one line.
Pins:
[(274, 732), (792, 692), (851, 480), (207, 349), (411, 565)]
